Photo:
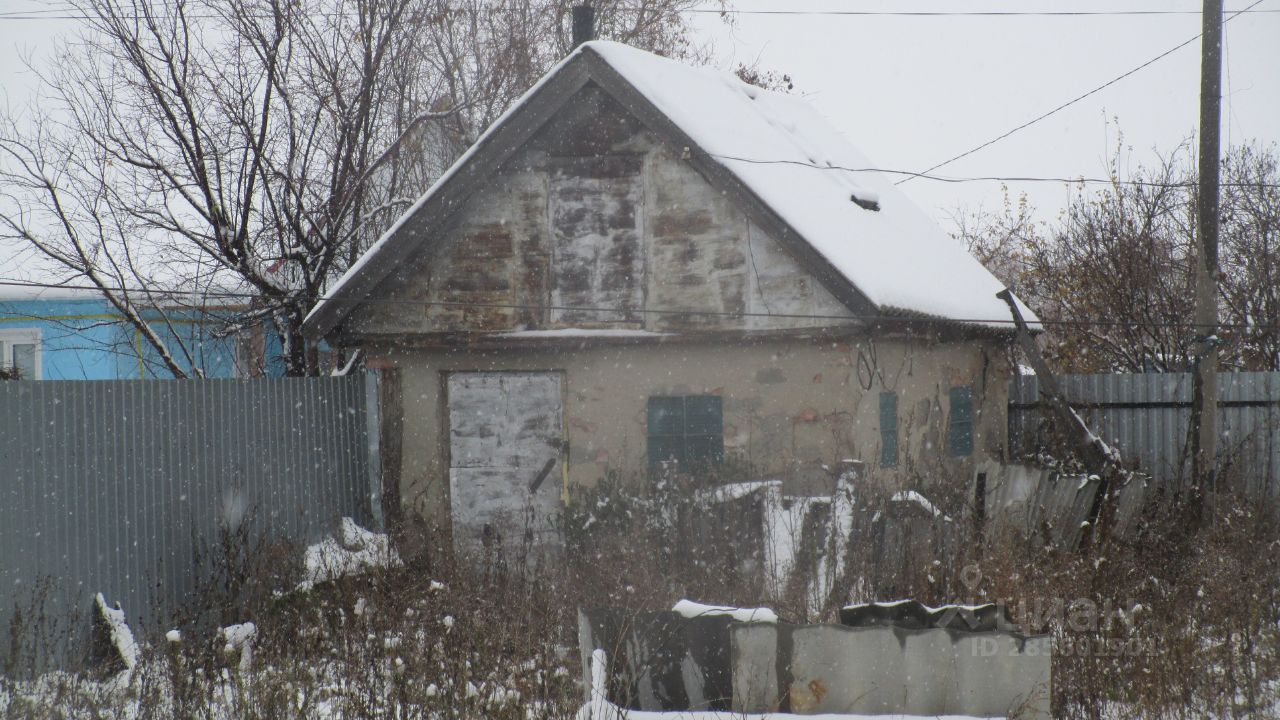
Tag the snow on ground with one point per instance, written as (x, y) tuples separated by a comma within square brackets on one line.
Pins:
[(353, 552)]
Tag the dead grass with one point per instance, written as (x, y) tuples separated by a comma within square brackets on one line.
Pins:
[(1167, 624)]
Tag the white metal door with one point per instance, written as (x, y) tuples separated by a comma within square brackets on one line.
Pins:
[(506, 435)]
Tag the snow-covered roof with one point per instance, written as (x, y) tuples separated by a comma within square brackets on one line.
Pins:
[(794, 162)]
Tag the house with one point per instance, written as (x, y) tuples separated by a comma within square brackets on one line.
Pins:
[(60, 333), (643, 261)]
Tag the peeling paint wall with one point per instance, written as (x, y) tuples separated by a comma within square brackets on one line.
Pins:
[(790, 406), (595, 214)]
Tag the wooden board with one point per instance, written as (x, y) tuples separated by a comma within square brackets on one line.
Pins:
[(506, 433), (596, 229)]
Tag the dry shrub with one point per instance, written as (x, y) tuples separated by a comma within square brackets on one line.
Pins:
[(1169, 623), (642, 545)]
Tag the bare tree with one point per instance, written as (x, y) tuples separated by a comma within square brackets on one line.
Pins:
[(196, 149), (1113, 276), (1250, 255)]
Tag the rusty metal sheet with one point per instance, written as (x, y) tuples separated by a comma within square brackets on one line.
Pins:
[(505, 452)]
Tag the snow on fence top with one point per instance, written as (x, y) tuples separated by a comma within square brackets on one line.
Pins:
[(798, 164), (690, 609)]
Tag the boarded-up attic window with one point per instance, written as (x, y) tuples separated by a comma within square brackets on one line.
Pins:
[(597, 259), (686, 429), (960, 421)]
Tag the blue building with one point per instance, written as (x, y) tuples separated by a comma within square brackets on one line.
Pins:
[(65, 334)]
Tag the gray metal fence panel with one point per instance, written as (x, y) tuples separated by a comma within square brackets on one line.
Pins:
[(1145, 416), (125, 487)]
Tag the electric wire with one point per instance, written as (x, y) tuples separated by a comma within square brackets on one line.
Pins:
[(985, 178), (417, 302), (960, 13), (1078, 98), (68, 11)]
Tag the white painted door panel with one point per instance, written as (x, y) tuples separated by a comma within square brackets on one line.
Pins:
[(505, 446)]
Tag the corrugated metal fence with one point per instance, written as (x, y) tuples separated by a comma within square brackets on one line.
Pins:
[(1145, 416), (125, 487)]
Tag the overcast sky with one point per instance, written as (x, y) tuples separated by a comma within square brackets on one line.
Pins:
[(913, 91)]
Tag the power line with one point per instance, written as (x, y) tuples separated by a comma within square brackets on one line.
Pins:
[(229, 294), (70, 12), (986, 178), (961, 13), (1075, 100)]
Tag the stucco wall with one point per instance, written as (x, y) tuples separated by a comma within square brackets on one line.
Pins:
[(664, 247), (790, 405)]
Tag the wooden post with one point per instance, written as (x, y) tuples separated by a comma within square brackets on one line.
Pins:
[(1204, 408), (1096, 455)]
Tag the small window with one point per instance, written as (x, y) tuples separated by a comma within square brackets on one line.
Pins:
[(20, 350), (888, 429), (960, 422), (687, 429)]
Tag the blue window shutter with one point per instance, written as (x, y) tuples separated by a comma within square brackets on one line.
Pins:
[(666, 415), (704, 415), (888, 429), (689, 430), (960, 421)]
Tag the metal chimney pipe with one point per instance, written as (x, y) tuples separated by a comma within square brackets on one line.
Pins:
[(584, 24)]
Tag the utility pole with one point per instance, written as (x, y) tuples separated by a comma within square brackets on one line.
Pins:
[(584, 24), (1204, 407)]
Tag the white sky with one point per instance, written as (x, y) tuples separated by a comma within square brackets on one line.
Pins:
[(913, 91)]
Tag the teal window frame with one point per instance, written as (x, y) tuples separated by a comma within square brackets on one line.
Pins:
[(686, 428), (960, 421), (888, 429)]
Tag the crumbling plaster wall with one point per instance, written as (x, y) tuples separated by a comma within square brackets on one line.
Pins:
[(681, 255), (790, 405)]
